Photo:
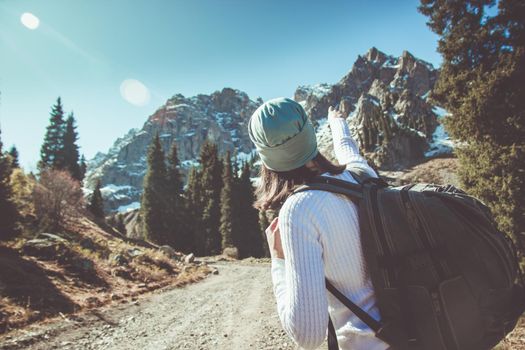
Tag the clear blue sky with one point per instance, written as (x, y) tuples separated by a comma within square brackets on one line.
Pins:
[(83, 51)]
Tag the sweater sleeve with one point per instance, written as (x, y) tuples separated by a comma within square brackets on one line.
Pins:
[(345, 148), (298, 279)]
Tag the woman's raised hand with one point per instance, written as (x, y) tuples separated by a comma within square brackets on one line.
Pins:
[(335, 112)]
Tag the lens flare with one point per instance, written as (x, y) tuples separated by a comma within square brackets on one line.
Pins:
[(30, 21), (135, 92)]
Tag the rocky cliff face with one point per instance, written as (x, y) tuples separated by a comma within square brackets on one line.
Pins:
[(385, 97), (220, 117)]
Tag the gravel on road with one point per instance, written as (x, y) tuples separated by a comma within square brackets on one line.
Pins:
[(233, 309)]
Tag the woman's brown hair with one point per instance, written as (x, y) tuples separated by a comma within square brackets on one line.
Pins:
[(276, 186)]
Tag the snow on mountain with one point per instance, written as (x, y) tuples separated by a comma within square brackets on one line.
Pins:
[(220, 117), (385, 98)]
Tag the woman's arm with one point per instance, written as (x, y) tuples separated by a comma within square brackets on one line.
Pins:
[(298, 279), (345, 148)]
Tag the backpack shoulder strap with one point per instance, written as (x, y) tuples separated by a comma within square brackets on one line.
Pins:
[(359, 174), (363, 177), (335, 185), (375, 325), (330, 184), (359, 312)]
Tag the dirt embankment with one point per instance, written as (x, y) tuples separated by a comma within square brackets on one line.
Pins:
[(234, 309), (79, 268)]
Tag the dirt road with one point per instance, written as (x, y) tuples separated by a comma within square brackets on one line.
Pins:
[(234, 309)]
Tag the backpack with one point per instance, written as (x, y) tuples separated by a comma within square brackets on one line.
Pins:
[(444, 276)]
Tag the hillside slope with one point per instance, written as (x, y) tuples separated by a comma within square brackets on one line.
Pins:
[(81, 268)]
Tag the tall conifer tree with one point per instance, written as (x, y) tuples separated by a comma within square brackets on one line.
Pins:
[(228, 216), (13, 153), (153, 206), (52, 150), (194, 209), (71, 155), (96, 204), (250, 237), (236, 207), (481, 84), (235, 166), (177, 233), (8, 212), (211, 190), (264, 223)]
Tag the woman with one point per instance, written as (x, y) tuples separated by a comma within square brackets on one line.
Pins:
[(316, 233)]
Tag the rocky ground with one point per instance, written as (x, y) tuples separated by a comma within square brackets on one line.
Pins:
[(232, 309), (83, 267)]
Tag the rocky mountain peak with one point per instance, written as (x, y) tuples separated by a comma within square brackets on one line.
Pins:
[(228, 100), (407, 56), (220, 117), (374, 55), (384, 96)]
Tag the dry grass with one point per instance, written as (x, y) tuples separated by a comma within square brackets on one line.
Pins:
[(32, 289)]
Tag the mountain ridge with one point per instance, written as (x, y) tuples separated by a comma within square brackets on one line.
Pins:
[(386, 98)]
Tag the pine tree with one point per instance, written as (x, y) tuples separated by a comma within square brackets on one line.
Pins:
[(13, 153), (235, 166), (70, 150), (211, 190), (153, 206), (251, 237), (83, 168), (52, 150), (96, 204), (227, 201), (481, 85), (263, 224), (194, 209), (177, 235), (237, 229), (9, 213)]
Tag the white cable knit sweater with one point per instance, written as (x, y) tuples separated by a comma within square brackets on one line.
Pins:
[(320, 237)]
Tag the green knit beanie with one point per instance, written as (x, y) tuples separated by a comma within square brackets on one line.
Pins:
[(283, 134)]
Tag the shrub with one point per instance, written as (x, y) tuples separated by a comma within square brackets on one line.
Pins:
[(57, 197)]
